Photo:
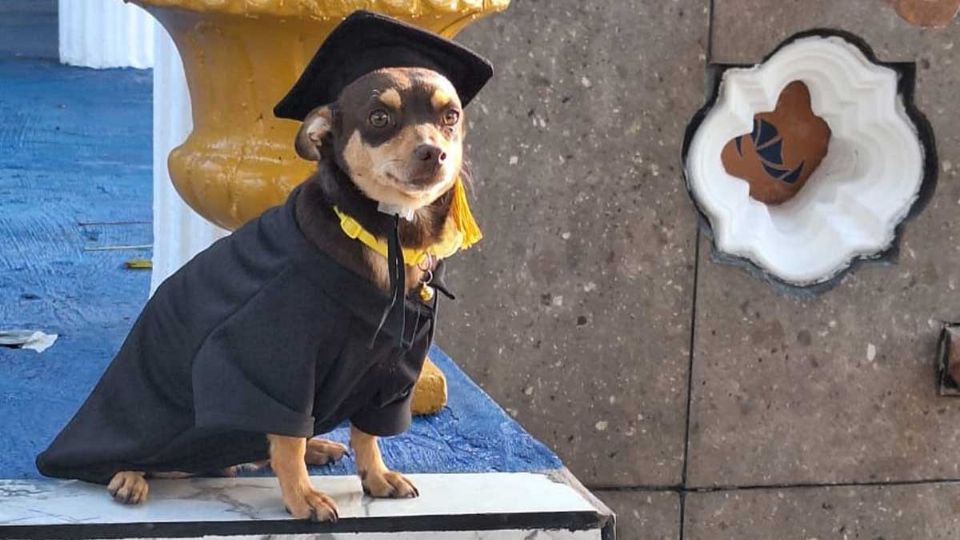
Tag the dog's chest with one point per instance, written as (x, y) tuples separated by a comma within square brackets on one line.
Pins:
[(380, 274)]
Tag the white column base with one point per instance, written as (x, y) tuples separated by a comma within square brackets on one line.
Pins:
[(179, 233), (105, 34)]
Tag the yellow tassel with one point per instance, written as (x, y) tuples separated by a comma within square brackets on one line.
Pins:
[(463, 217)]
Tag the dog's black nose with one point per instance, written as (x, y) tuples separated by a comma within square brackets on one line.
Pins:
[(429, 153)]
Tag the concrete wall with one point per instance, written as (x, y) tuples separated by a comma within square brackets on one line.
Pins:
[(579, 311), (575, 312)]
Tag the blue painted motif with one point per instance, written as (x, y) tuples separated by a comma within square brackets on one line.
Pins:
[(769, 145)]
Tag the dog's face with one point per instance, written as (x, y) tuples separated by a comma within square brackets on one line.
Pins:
[(398, 134)]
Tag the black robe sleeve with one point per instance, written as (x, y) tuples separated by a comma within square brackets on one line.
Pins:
[(257, 370), (386, 420)]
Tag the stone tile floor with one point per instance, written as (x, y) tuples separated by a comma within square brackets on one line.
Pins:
[(802, 417)]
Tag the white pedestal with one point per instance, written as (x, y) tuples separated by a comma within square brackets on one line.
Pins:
[(179, 233)]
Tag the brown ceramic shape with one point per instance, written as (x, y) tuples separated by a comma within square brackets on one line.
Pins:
[(928, 13), (784, 149)]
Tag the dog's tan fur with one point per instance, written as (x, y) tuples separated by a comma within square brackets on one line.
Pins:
[(129, 487), (384, 171), (391, 98), (303, 501), (322, 452), (378, 174), (377, 479), (440, 99)]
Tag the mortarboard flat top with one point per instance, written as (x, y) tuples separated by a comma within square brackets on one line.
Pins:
[(365, 42)]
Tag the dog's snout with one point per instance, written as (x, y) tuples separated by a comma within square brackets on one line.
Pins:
[(428, 153)]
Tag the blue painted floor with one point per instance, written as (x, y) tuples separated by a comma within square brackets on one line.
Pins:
[(75, 175)]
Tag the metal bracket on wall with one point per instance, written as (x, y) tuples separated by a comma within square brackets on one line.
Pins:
[(948, 361)]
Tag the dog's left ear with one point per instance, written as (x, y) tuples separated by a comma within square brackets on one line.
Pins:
[(315, 127)]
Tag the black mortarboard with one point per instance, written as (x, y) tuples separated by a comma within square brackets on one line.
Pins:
[(366, 42)]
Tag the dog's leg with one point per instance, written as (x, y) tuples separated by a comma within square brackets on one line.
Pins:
[(322, 451), (378, 481), (303, 501), (128, 487)]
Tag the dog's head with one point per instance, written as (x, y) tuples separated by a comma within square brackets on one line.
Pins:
[(396, 132)]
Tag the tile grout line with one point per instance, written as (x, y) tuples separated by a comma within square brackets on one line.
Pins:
[(686, 436), (821, 485), (680, 489), (693, 325)]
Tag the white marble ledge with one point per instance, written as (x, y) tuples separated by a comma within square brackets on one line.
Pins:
[(515, 534), (38, 503)]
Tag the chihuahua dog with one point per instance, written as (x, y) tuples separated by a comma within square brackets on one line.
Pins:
[(394, 137)]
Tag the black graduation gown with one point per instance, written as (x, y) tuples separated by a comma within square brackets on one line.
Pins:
[(260, 333)]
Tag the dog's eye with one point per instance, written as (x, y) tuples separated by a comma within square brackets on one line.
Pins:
[(451, 117), (379, 118)]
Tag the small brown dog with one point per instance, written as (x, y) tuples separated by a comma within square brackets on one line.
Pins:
[(399, 135), (395, 136), (320, 311)]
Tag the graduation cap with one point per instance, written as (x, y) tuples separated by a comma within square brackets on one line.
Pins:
[(365, 42)]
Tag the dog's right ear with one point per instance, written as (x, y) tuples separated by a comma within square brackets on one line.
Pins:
[(315, 127)]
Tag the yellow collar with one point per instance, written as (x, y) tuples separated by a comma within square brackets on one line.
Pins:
[(466, 232), (412, 257)]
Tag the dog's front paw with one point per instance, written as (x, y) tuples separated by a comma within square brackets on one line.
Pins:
[(389, 484), (322, 452), (128, 487), (313, 505)]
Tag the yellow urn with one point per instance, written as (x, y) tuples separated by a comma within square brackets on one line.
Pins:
[(240, 58)]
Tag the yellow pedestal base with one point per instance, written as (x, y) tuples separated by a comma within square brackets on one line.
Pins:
[(430, 393)]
